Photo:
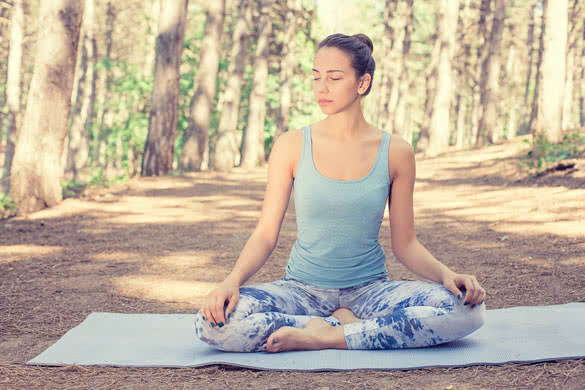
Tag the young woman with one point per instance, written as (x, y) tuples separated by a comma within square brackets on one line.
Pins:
[(336, 292)]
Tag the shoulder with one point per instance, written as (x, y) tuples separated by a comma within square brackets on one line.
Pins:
[(400, 157), (287, 149)]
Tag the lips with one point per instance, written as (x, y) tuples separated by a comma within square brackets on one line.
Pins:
[(324, 101)]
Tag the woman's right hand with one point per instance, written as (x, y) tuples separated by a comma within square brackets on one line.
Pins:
[(213, 309)]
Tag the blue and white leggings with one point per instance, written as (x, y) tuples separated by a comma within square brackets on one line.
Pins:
[(393, 313)]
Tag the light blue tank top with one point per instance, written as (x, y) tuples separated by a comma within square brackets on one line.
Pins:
[(338, 223)]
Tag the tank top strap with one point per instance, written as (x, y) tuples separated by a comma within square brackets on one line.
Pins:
[(382, 160), (306, 143)]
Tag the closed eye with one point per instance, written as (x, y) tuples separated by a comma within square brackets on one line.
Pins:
[(320, 79)]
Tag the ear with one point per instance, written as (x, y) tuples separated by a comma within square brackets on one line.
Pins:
[(364, 83)]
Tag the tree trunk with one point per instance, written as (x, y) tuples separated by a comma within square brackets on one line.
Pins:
[(162, 122), (105, 116), (79, 133), (552, 78), (37, 171), (582, 80), (151, 33), (13, 90), (404, 82), (440, 123), (195, 153), (287, 64), (431, 88), (534, 105), (255, 126), (530, 47), (227, 147), (567, 116), (512, 80), (397, 63), (461, 109), (488, 125), (388, 64)]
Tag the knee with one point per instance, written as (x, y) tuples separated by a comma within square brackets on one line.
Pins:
[(477, 317), (225, 338)]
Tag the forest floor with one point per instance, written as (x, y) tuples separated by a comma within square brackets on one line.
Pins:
[(159, 245)]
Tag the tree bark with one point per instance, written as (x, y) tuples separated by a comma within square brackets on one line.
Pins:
[(487, 132), (440, 122), (512, 79), (403, 81), (162, 122), (151, 34), (388, 41), (255, 126), (287, 64), (81, 121), (552, 76), (567, 116), (13, 90), (227, 147), (431, 88), (195, 153), (37, 169), (582, 80), (105, 115), (534, 105)]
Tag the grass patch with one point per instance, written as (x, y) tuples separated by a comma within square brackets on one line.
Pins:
[(544, 154), (76, 189)]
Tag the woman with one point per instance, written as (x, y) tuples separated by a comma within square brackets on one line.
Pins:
[(336, 292)]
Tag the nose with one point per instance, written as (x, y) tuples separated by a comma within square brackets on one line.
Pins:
[(322, 85)]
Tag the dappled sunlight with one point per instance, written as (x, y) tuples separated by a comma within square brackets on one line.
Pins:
[(12, 253), (539, 210), (115, 256), (183, 261), (574, 260), (154, 287)]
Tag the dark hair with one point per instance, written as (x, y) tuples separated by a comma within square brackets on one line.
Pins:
[(359, 48)]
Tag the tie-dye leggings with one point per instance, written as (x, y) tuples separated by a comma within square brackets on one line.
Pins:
[(394, 314)]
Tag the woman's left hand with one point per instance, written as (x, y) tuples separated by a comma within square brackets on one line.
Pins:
[(474, 293)]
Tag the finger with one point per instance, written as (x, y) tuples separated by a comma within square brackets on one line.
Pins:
[(231, 305), (479, 291), (213, 321), (451, 286), (218, 313), (272, 343), (469, 290), (204, 313)]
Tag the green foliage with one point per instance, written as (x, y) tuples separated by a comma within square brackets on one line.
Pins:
[(74, 189), (543, 153), (7, 206), (71, 189)]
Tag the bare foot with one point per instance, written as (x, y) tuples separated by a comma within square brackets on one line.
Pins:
[(317, 334), (345, 316)]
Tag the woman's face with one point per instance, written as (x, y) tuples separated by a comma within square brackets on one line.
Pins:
[(334, 80)]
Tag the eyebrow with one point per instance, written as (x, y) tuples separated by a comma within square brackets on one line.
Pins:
[(329, 71)]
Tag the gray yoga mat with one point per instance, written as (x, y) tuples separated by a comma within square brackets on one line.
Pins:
[(517, 334)]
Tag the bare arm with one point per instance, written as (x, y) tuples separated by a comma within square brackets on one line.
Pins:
[(264, 238), (405, 246), (276, 198)]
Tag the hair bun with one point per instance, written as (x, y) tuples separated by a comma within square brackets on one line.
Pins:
[(364, 39)]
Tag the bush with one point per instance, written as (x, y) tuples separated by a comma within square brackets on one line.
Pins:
[(7, 206), (543, 153)]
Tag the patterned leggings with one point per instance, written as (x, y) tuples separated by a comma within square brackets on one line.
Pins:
[(394, 314)]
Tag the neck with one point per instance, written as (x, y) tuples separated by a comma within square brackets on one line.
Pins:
[(347, 124)]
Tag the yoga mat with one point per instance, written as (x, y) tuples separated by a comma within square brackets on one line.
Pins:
[(517, 334)]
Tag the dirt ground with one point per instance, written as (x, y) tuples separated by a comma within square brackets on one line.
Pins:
[(159, 245)]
